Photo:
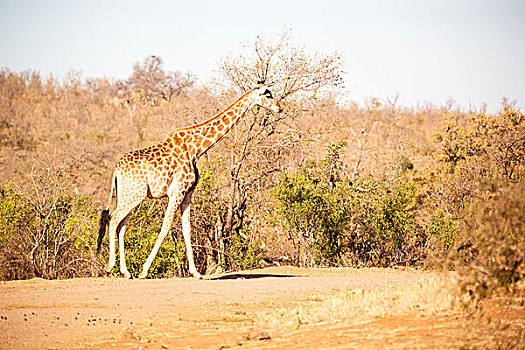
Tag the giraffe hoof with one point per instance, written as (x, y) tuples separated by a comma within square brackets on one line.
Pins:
[(197, 276), (143, 275), (127, 275), (107, 270)]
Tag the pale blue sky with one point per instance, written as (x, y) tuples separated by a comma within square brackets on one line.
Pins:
[(472, 51)]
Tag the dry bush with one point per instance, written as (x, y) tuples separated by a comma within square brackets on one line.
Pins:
[(498, 238), (483, 188), (92, 120)]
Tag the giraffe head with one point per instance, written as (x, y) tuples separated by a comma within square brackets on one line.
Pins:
[(263, 98)]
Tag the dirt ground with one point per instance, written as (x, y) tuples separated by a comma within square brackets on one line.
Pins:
[(219, 312)]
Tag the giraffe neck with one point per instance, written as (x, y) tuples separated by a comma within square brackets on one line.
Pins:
[(213, 130)]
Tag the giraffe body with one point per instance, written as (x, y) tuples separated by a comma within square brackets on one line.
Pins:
[(169, 169)]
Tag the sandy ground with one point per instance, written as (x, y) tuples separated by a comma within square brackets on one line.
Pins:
[(219, 312)]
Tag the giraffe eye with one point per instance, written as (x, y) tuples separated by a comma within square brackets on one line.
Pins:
[(268, 94)]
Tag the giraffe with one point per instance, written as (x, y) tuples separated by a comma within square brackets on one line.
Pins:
[(169, 169)]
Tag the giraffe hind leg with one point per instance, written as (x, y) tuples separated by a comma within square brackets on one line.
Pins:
[(113, 224), (122, 254), (118, 224), (117, 218)]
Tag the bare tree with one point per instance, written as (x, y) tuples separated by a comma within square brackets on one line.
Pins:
[(154, 84), (259, 146), (294, 71)]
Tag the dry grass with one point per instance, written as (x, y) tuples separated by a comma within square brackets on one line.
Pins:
[(430, 297), (431, 313)]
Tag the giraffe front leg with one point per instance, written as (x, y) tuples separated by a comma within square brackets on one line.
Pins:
[(166, 225), (186, 232)]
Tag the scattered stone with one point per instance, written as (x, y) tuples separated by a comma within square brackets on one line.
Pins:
[(130, 335), (258, 335), (294, 324)]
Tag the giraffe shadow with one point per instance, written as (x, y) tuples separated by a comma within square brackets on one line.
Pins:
[(247, 276)]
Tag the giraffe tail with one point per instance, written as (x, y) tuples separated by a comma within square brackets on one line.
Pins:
[(103, 224), (105, 217)]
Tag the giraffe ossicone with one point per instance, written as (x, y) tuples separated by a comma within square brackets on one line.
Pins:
[(169, 169)]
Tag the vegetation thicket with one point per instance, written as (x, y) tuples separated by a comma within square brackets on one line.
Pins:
[(327, 182)]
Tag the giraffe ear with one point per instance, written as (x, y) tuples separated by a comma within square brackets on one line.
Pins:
[(263, 82)]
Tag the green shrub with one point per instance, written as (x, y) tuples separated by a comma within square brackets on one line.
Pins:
[(442, 231), (384, 228), (311, 203), (245, 251), (50, 237), (15, 214), (334, 222)]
